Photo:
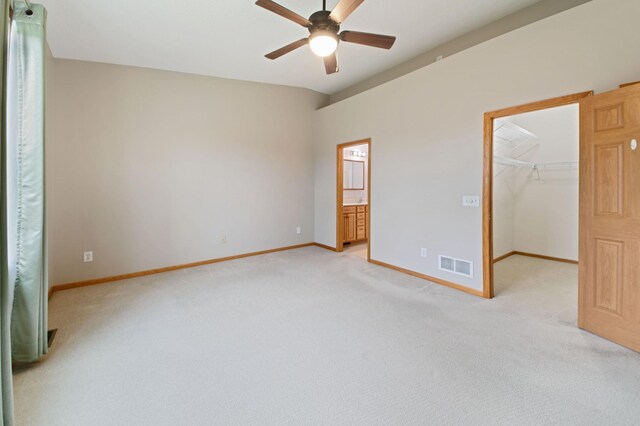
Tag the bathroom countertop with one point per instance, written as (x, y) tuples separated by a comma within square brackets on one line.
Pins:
[(354, 204)]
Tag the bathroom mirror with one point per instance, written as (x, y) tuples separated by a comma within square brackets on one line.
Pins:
[(353, 175)]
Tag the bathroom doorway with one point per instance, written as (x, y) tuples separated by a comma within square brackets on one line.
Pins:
[(353, 198)]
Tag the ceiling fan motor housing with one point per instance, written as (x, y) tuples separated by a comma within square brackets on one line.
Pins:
[(320, 21)]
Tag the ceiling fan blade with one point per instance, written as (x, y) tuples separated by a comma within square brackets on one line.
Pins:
[(288, 48), (284, 12), (331, 64), (343, 9), (368, 39)]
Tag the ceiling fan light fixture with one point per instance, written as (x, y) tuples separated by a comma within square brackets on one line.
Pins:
[(324, 27), (323, 43)]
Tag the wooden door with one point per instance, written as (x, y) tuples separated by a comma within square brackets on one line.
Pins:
[(350, 227), (345, 228), (609, 291)]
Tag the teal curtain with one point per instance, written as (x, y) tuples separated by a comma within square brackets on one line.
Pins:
[(26, 202), (6, 293)]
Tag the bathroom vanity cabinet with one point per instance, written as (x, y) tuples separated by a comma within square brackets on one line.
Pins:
[(355, 223)]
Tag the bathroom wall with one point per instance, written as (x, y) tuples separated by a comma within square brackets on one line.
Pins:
[(358, 196)]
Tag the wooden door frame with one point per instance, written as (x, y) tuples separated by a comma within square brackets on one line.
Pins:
[(340, 194), (487, 180)]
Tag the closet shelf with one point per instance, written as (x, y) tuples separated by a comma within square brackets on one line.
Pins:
[(549, 166)]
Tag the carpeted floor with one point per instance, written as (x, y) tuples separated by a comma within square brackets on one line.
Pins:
[(314, 337)]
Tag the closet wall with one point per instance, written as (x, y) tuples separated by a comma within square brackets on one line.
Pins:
[(537, 212), (503, 220)]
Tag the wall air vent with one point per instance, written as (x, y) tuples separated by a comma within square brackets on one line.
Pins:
[(455, 266)]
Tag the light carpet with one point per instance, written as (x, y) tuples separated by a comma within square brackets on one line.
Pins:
[(311, 337)]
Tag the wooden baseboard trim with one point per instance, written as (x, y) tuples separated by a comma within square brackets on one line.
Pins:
[(503, 257), (325, 247), (429, 278), (537, 256), (540, 256), (68, 286), (50, 292)]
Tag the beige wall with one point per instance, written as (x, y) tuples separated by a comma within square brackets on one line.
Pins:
[(150, 168), (537, 11), (427, 129)]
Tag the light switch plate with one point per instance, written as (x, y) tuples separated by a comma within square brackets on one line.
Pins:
[(87, 256), (471, 201)]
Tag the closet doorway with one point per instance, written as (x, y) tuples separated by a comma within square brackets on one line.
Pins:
[(530, 202), (535, 210), (353, 198), (609, 166)]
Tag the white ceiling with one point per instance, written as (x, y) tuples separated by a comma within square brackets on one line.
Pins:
[(230, 38)]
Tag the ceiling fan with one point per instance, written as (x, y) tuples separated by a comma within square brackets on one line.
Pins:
[(324, 27)]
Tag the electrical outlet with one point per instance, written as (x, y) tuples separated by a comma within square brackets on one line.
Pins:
[(223, 239), (298, 230), (423, 252), (87, 257), (471, 201)]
